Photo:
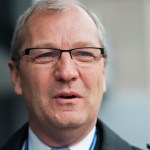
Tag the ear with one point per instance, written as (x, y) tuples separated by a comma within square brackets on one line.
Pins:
[(15, 76)]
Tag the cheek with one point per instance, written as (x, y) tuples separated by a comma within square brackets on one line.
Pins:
[(35, 82), (94, 79), (100, 78), (94, 83), (39, 75), (35, 85)]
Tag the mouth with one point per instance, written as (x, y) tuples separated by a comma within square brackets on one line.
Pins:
[(67, 96)]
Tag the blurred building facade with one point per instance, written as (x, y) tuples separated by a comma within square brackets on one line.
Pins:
[(126, 103)]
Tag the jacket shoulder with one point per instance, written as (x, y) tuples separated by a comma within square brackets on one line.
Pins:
[(110, 140), (17, 140)]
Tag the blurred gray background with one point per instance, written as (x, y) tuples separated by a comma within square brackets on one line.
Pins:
[(126, 104)]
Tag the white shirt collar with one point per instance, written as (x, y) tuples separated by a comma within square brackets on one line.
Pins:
[(86, 142), (35, 143)]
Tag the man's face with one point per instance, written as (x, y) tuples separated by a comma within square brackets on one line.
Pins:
[(65, 94)]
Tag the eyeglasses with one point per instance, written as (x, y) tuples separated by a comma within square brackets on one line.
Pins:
[(82, 55)]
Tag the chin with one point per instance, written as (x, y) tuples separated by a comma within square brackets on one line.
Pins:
[(69, 121)]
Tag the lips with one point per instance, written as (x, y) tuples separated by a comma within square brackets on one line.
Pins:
[(67, 95)]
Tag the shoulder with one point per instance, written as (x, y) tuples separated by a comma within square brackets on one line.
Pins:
[(110, 140), (17, 140)]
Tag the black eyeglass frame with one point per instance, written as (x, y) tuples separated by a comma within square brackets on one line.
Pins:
[(16, 58)]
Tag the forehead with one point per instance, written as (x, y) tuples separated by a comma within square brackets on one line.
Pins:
[(73, 25)]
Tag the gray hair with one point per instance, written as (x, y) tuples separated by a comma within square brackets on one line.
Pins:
[(48, 5)]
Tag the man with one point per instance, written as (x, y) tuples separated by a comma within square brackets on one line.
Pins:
[(58, 65)]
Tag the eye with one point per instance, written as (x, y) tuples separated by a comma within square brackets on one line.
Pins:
[(45, 55), (85, 53)]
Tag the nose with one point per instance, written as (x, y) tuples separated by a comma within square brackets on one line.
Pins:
[(66, 70)]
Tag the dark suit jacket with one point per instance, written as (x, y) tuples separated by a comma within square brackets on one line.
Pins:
[(107, 139)]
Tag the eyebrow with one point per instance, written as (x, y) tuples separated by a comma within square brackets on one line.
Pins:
[(44, 45), (74, 45), (84, 44)]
